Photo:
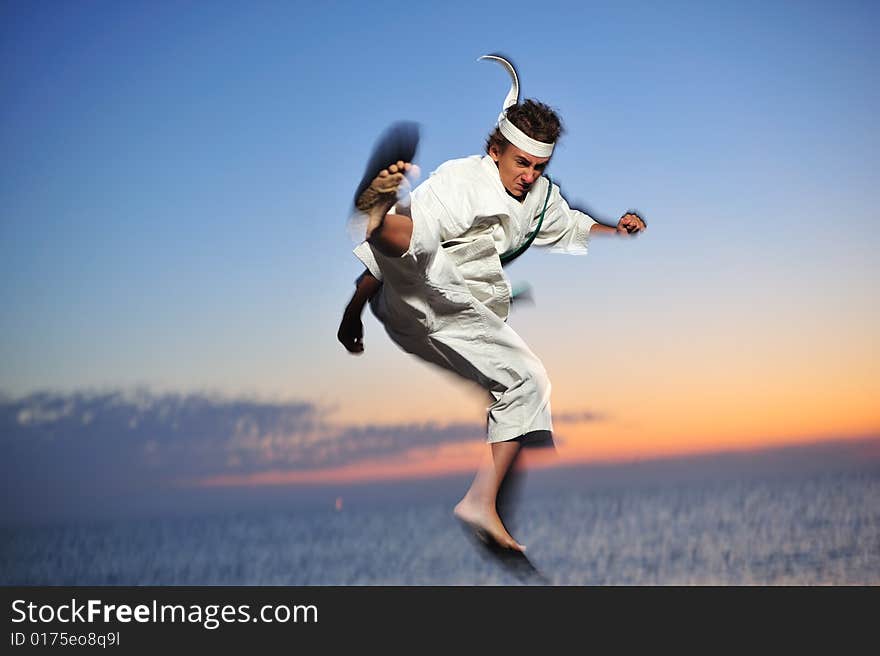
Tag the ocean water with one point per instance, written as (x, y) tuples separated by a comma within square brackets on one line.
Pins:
[(811, 530)]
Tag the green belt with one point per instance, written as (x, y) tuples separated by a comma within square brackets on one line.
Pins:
[(511, 255)]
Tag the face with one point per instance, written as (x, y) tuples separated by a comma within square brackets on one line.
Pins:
[(518, 169)]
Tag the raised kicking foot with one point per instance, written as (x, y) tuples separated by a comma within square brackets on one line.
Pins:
[(486, 524), (382, 194)]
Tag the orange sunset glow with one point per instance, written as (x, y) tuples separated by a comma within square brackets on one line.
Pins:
[(659, 426)]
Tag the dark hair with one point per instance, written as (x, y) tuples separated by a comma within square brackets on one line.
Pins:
[(534, 118)]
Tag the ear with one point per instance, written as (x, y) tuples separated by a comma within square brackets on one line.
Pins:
[(494, 153)]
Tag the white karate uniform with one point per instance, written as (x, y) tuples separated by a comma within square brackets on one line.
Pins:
[(446, 300)]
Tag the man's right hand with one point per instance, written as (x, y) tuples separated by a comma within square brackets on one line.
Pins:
[(630, 224), (351, 332)]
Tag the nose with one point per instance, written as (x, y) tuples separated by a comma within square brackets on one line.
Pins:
[(529, 176)]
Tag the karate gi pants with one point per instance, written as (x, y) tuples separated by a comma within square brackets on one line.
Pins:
[(429, 309)]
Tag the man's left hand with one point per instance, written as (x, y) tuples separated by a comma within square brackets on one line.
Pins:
[(630, 224)]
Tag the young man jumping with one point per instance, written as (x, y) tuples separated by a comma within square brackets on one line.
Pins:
[(434, 278)]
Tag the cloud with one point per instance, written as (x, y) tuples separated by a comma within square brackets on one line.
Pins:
[(143, 431), (85, 445), (78, 447), (578, 417), (174, 435)]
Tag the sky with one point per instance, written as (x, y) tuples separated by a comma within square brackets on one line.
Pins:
[(174, 245)]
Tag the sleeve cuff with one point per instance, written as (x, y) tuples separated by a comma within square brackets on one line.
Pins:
[(578, 239), (582, 231), (364, 253)]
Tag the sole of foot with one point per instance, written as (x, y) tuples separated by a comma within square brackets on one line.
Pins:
[(383, 192), (482, 529)]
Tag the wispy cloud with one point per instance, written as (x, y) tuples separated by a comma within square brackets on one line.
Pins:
[(578, 417), (198, 433), (178, 433), (69, 445)]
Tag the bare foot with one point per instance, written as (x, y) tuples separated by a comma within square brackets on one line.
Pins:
[(486, 523), (383, 191)]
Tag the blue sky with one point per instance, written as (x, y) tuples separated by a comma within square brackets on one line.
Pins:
[(177, 176)]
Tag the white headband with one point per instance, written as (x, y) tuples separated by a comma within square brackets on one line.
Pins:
[(513, 134)]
